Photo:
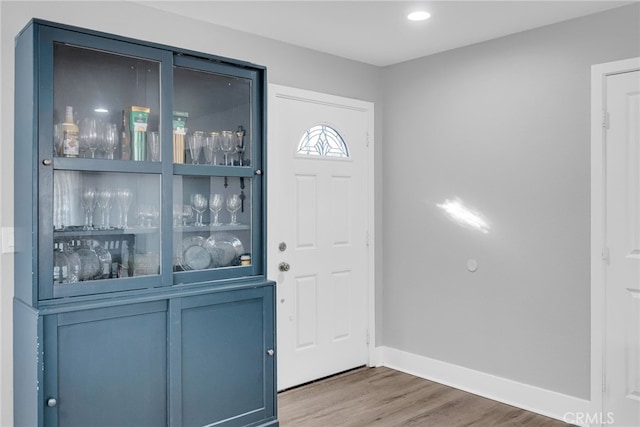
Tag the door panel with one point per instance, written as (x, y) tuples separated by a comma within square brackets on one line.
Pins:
[(96, 352), (622, 276), (319, 199), (227, 374)]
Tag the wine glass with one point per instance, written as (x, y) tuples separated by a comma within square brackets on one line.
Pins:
[(199, 203), (240, 133), (208, 148), (194, 142), (105, 201), (88, 201), (227, 145), (124, 196), (233, 205), (215, 205), (109, 141), (90, 134)]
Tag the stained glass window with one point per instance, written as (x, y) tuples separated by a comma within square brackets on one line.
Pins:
[(323, 140)]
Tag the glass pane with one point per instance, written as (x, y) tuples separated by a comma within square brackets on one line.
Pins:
[(106, 225), (212, 121), (324, 141), (212, 222), (105, 105)]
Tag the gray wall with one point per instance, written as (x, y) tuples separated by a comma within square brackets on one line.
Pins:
[(504, 126), (286, 65)]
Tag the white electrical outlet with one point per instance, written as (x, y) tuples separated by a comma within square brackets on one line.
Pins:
[(8, 245)]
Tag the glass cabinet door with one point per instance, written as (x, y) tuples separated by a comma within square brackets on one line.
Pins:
[(215, 154), (105, 214)]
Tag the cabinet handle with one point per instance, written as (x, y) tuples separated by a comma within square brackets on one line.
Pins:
[(51, 402), (271, 352)]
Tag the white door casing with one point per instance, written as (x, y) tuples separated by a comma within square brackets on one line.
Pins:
[(616, 242), (321, 208)]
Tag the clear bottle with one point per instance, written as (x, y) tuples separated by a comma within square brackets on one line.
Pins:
[(70, 132), (105, 261), (60, 264)]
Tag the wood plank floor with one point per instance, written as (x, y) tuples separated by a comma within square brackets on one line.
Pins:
[(389, 398)]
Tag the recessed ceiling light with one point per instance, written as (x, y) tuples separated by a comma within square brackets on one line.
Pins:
[(420, 15)]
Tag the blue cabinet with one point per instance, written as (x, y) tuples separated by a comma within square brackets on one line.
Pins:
[(140, 293)]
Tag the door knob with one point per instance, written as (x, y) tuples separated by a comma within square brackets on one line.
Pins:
[(283, 266)]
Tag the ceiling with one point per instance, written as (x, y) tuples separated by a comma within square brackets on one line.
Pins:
[(377, 32)]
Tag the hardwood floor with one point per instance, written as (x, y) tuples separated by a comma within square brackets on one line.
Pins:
[(389, 398)]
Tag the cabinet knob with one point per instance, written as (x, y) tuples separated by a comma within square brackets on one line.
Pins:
[(271, 352), (283, 266), (47, 162), (258, 172), (51, 402)]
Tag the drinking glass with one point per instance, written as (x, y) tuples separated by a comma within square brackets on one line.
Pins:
[(187, 214), (153, 141), (109, 140), (88, 202), (240, 145), (124, 196), (90, 134), (233, 205), (216, 146), (227, 145), (194, 142), (208, 148), (177, 214), (199, 203), (215, 205), (105, 201)]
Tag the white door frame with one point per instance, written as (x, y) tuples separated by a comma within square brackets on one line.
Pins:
[(599, 74), (277, 91)]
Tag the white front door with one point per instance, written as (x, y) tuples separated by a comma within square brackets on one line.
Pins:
[(622, 239), (320, 207)]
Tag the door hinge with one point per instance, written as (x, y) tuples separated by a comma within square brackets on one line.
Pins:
[(605, 254), (367, 139), (368, 337), (367, 238), (605, 119)]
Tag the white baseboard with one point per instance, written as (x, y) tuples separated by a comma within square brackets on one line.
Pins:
[(528, 397)]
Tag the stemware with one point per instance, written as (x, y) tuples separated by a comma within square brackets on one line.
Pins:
[(90, 134), (194, 142), (227, 145), (109, 141), (240, 133), (233, 205), (88, 202), (124, 196), (209, 148), (105, 201), (215, 205), (199, 203)]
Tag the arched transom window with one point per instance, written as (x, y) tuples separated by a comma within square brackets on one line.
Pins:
[(322, 140)]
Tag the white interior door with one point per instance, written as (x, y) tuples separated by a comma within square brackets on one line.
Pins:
[(320, 204), (622, 238)]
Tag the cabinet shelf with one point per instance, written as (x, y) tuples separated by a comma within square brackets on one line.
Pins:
[(105, 165), (109, 232), (210, 170), (211, 228)]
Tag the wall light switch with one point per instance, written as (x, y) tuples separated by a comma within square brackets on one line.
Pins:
[(8, 245)]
